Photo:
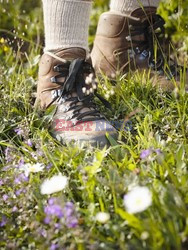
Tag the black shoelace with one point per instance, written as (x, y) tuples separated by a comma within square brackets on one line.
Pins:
[(74, 74), (154, 33)]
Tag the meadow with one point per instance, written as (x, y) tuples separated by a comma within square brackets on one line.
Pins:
[(130, 196)]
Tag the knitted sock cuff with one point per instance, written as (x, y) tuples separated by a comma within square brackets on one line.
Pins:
[(66, 23)]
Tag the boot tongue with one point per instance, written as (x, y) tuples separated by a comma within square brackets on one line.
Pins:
[(144, 13)]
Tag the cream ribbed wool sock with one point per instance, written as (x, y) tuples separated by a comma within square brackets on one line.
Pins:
[(127, 6), (66, 23)]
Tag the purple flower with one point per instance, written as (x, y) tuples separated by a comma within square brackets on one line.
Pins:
[(57, 225), (18, 131), (69, 214), (33, 154), (3, 221), (7, 167), (43, 232), (14, 209), (8, 154), (54, 209), (47, 220), (52, 200), (49, 166), (69, 204), (145, 153), (17, 180), (72, 222), (54, 247), (21, 178), (24, 177), (21, 162), (66, 213), (158, 151), (29, 143), (39, 153), (5, 197), (19, 191), (1, 182), (68, 209)]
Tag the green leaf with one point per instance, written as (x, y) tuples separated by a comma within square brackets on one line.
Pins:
[(132, 220)]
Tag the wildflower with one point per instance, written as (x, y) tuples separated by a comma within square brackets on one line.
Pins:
[(102, 217), (17, 180), (2, 40), (3, 221), (49, 166), (54, 210), (47, 220), (8, 154), (5, 197), (14, 209), (68, 209), (19, 191), (22, 130), (112, 92), (21, 162), (158, 151), (159, 156), (54, 247), (69, 215), (65, 213), (57, 225), (39, 153), (21, 178), (29, 143), (144, 235), (72, 222), (145, 153), (54, 184), (32, 168), (1, 182), (18, 131), (138, 199), (52, 200), (42, 232)]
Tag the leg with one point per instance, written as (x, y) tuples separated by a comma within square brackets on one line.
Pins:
[(66, 23), (66, 78)]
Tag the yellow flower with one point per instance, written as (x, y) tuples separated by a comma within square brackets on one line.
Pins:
[(2, 40), (5, 48)]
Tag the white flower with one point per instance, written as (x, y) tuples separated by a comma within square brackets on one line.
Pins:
[(32, 168), (144, 235), (54, 184), (102, 217), (137, 200)]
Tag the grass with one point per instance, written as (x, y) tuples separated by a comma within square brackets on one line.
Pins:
[(97, 179)]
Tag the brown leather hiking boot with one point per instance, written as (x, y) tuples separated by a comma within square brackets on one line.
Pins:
[(125, 43), (67, 81)]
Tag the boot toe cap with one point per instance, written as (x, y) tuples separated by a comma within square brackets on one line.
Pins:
[(93, 133)]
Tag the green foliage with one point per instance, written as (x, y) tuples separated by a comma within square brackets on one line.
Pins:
[(175, 14), (98, 179)]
